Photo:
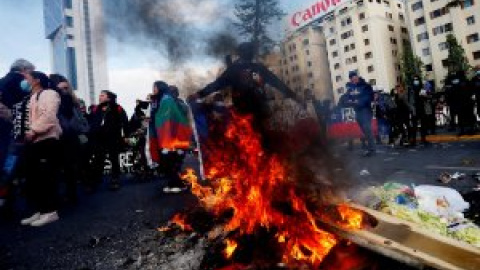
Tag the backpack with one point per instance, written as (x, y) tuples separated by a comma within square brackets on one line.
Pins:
[(76, 125)]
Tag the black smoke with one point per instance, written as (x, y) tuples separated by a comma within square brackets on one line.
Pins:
[(172, 27)]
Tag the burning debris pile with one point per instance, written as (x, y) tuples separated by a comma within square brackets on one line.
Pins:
[(254, 214)]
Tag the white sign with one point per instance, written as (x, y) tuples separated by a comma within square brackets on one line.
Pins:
[(315, 11)]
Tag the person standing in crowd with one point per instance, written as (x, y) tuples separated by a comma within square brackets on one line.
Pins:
[(43, 151), (452, 99), (402, 115), (138, 139), (475, 86), (74, 127), (466, 117), (360, 96), (13, 89), (416, 97), (108, 125), (170, 135)]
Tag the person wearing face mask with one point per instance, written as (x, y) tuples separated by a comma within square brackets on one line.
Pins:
[(475, 86), (416, 98), (452, 99), (13, 89), (43, 151)]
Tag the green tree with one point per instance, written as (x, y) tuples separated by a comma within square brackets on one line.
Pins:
[(456, 60), (410, 65), (254, 18)]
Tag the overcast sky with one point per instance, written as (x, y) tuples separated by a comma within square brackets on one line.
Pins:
[(132, 70)]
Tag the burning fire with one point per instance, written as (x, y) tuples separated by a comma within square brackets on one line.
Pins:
[(179, 220), (251, 182)]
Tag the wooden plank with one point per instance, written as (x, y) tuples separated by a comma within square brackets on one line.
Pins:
[(406, 242)]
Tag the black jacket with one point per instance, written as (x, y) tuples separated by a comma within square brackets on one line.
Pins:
[(108, 123), (10, 91)]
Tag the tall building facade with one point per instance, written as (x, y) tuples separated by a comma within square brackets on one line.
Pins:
[(304, 63), (76, 32), (366, 36), (431, 20)]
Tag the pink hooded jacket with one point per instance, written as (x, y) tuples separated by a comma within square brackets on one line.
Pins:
[(43, 115)]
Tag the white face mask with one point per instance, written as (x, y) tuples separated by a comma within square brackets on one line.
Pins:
[(416, 82)]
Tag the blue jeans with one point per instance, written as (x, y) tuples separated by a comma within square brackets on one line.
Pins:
[(5, 139), (364, 120)]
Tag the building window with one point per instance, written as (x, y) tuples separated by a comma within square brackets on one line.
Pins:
[(390, 28), (442, 29), (373, 82), (336, 66), (305, 42), (366, 41), (419, 21), (416, 6), (394, 52), (335, 54), (340, 90), (443, 46), (360, 3), (368, 55), (352, 46), (393, 41), (422, 36), (307, 52), (399, 5), (387, 4), (309, 63), (388, 15), (68, 4), (471, 20), (332, 30), (401, 17), (72, 67), (343, 11), (426, 51), (354, 59), (445, 63), (346, 48), (370, 69), (70, 37), (438, 12), (69, 21), (365, 28), (429, 67), (476, 55), (404, 30), (467, 3), (338, 78), (332, 42), (347, 34), (472, 38), (361, 16), (346, 21), (310, 75)]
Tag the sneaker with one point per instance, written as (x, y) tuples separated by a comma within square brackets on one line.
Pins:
[(45, 219), (28, 221)]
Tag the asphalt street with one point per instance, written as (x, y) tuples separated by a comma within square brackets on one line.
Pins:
[(113, 230)]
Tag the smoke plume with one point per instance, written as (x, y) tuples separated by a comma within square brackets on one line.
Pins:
[(176, 29)]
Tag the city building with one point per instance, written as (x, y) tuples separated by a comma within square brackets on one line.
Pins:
[(75, 29), (305, 63), (431, 20), (362, 35)]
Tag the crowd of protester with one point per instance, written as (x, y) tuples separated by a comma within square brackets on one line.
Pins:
[(51, 146), (416, 108)]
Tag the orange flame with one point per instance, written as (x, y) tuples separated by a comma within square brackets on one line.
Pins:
[(247, 180), (179, 220), (351, 218), (230, 248)]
